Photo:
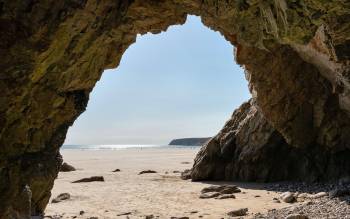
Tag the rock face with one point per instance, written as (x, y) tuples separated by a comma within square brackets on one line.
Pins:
[(189, 141), (296, 55), (249, 148)]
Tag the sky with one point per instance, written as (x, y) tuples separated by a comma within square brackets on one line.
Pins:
[(180, 83)]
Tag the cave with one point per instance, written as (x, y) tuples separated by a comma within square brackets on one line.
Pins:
[(295, 55)]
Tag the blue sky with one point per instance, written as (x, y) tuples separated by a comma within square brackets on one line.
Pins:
[(181, 83)]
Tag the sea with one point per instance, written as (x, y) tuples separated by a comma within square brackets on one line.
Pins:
[(122, 147)]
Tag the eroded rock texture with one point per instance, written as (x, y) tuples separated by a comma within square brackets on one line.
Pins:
[(249, 148), (296, 55)]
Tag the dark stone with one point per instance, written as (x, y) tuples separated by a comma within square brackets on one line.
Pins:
[(66, 168), (222, 189), (238, 212), (90, 179), (147, 171), (61, 197), (186, 174)]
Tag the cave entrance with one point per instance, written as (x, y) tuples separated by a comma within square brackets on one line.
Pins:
[(181, 83), (178, 84), (53, 53)]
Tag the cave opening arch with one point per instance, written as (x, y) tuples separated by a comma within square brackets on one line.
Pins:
[(52, 53), (181, 83)]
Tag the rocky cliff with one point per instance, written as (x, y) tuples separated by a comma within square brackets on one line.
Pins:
[(296, 55), (189, 141), (249, 148)]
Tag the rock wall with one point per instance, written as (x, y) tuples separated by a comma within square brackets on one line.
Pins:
[(296, 55), (248, 148)]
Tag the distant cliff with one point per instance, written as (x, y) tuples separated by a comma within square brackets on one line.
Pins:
[(189, 141)]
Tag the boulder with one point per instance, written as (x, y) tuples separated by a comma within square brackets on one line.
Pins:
[(66, 167)]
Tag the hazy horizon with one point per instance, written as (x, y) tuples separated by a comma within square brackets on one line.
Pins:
[(181, 83)]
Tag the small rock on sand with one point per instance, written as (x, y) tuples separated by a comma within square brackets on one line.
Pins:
[(275, 200), (61, 197), (238, 212), (147, 171), (66, 168), (185, 162), (287, 197), (219, 192), (90, 179), (186, 174), (179, 218), (116, 170), (222, 189)]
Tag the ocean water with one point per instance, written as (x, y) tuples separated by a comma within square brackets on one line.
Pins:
[(121, 147)]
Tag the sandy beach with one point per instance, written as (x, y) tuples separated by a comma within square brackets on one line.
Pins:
[(162, 194)]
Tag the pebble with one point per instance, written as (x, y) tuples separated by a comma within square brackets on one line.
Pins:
[(287, 197), (238, 212), (147, 171)]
